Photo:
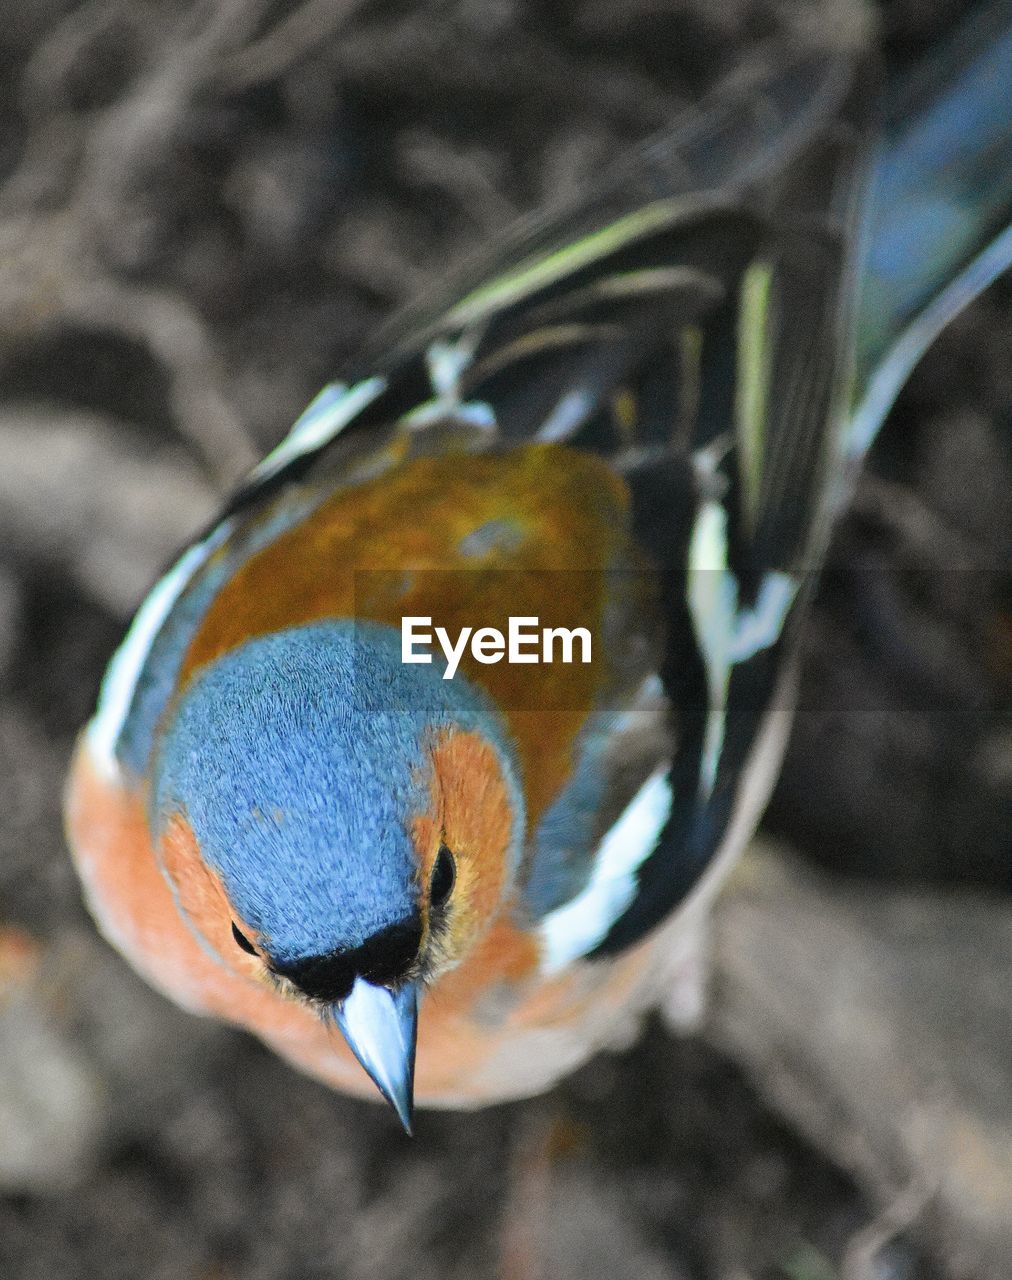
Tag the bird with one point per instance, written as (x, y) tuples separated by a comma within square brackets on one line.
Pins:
[(634, 422)]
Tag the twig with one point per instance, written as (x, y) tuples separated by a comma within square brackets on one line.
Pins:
[(284, 45)]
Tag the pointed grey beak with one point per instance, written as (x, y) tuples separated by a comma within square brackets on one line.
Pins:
[(380, 1026)]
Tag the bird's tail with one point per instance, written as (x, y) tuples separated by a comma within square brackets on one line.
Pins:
[(939, 227)]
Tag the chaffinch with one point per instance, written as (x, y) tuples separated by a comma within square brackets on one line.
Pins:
[(635, 422)]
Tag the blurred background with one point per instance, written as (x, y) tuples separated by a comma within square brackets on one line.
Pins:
[(203, 209)]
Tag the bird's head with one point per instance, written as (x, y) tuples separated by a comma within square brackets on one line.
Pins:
[(340, 825)]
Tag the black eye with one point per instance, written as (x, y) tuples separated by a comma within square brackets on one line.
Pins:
[(444, 873), (243, 941)]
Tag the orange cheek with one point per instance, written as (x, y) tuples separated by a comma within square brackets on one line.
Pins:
[(202, 896), (470, 809)]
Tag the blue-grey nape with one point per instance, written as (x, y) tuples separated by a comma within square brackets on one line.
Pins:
[(298, 760)]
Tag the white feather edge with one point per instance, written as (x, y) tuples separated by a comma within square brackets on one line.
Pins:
[(726, 634), (573, 929), (323, 419), (123, 672)]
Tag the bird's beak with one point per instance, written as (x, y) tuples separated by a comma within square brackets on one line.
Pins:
[(380, 1026)]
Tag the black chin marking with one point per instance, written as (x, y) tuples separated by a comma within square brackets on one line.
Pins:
[(383, 959)]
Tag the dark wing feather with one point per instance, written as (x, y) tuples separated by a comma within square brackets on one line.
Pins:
[(633, 298)]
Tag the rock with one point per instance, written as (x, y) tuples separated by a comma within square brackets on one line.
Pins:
[(71, 489), (880, 1021)]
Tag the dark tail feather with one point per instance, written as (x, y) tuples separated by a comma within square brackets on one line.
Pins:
[(938, 230)]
